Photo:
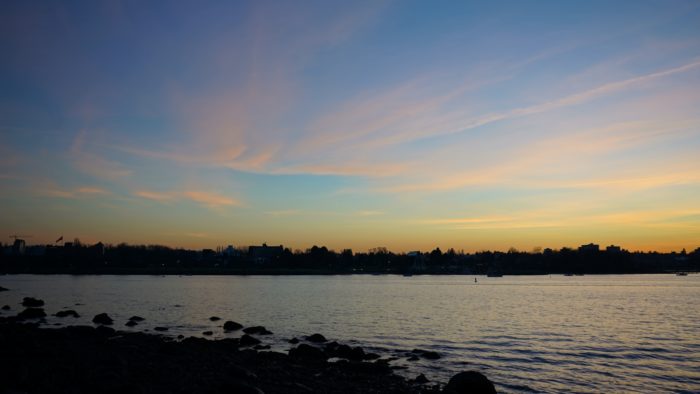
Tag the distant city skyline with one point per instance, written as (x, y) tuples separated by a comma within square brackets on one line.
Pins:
[(406, 125)]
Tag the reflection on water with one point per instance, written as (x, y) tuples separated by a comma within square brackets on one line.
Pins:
[(634, 333)]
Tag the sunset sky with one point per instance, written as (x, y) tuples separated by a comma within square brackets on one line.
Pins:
[(405, 124)]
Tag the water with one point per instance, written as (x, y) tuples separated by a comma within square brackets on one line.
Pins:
[(548, 334)]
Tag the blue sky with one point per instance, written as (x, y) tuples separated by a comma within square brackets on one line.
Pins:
[(405, 124)]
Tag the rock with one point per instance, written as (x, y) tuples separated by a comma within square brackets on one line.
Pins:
[(161, 328), (232, 326), (215, 318), (413, 358), (471, 382), (421, 379), (430, 355), (30, 302), (260, 330), (4, 289), (371, 356), (67, 313), (247, 340), (131, 323), (307, 353), (180, 336), (136, 318), (102, 318), (316, 338), (105, 331), (208, 333), (5, 307), (293, 341), (345, 351), (355, 354), (31, 313), (261, 347)]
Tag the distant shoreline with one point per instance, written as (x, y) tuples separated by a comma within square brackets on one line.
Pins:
[(294, 272)]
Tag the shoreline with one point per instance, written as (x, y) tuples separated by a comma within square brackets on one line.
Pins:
[(98, 358)]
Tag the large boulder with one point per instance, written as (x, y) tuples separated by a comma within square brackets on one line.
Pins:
[(260, 330), (316, 338), (232, 326), (30, 302), (102, 318), (430, 355), (6, 308), (470, 382), (31, 313), (307, 353), (67, 313), (247, 340)]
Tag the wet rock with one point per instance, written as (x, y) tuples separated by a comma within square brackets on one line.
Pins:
[(102, 318), (307, 353), (30, 302), (345, 351), (430, 355), (316, 338), (208, 333), (371, 356), (105, 331), (161, 328), (247, 340), (261, 347), (413, 358), (259, 330), (232, 326), (180, 336), (5, 307), (356, 354), (215, 318), (471, 382), (31, 313), (421, 379), (4, 289), (131, 323), (293, 341), (136, 318), (67, 313)]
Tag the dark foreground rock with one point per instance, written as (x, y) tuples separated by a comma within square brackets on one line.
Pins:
[(31, 313), (4, 289), (102, 318), (259, 330), (84, 359), (31, 302), (67, 313), (232, 326), (470, 382)]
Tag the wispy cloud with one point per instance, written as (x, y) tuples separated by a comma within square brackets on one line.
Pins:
[(207, 199), (79, 192)]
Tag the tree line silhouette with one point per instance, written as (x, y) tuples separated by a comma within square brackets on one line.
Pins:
[(77, 258)]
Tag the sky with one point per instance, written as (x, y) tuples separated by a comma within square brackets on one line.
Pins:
[(402, 124)]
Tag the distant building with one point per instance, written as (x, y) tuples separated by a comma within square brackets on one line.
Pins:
[(613, 249), (264, 253), (589, 248), (230, 251), (18, 247), (418, 261)]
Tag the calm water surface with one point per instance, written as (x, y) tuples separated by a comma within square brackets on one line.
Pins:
[(545, 334)]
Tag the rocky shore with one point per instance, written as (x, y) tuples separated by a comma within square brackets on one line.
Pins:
[(100, 359)]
